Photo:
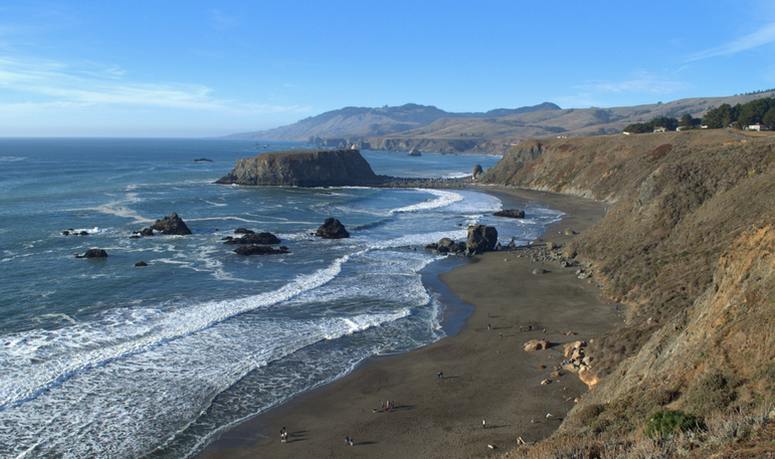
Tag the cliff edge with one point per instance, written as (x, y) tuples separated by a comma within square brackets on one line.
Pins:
[(687, 246)]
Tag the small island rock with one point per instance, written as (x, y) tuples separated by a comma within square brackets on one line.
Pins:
[(254, 249), (255, 238), (171, 224), (93, 253), (332, 229), (510, 213)]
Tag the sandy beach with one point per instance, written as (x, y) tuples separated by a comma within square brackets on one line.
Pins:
[(487, 375)]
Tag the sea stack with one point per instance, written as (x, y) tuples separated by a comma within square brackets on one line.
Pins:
[(481, 238), (305, 168), (332, 229)]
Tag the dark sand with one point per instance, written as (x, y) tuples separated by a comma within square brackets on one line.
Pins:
[(486, 373)]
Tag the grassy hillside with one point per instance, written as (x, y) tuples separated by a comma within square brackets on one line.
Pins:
[(431, 129), (688, 245)]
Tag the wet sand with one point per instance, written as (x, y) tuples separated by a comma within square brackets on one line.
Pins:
[(487, 375)]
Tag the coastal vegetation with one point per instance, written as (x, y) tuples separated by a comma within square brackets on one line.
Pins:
[(759, 111)]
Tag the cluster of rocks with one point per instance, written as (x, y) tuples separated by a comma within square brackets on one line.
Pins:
[(447, 245), (249, 241), (577, 361), (252, 243), (551, 252), (169, 225), (480, 239)]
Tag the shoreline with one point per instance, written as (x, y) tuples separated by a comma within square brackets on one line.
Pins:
[(487, 374)]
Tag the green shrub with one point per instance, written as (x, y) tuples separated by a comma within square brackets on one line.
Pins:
[(664, 424)]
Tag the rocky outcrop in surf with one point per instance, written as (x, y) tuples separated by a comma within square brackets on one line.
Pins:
[(169, 225), (93, 253), (262, 238), (255, 249), (332, 229), (481, 238), (510, 213)]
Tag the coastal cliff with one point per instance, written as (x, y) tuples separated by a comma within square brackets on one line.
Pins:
[(687, 247), (303, 168)]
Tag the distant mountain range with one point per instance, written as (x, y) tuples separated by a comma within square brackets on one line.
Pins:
[(429, 128)]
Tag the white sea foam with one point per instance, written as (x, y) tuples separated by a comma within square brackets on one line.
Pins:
[(224, 218), (63, 357), (455, 175), (443, 198), (11, 159)]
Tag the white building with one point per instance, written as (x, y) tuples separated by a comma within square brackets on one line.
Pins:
[(660, 129), (756, 127)]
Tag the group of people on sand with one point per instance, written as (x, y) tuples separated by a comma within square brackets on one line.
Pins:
[(387, 406), (283, 435), (348, 440)]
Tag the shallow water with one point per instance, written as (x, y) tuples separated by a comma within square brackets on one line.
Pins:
[(101, 359)]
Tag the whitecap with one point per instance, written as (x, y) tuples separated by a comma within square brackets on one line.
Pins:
[(443, 199)]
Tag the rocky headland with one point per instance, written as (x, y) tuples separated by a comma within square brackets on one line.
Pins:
[(312, 168)]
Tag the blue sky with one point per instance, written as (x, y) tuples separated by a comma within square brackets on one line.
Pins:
[(194, 68)]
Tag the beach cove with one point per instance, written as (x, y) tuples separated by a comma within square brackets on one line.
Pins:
[(486, 374)]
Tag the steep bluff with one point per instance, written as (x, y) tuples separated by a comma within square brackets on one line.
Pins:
[(687, 245), (303, 168)]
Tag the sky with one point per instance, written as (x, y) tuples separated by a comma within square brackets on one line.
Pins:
[(196, 68)]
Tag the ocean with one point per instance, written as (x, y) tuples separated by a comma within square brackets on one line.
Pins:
[(99, 358)]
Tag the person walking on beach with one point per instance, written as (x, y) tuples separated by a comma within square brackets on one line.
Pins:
[(440, 375)]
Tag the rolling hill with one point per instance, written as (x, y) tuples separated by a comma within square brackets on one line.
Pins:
[(429, 128)]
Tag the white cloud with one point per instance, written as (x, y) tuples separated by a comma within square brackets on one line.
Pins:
[(642, 83), (641, 87), (107, 85), (764, 36)]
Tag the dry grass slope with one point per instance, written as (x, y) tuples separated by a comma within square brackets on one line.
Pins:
[(688, 244)]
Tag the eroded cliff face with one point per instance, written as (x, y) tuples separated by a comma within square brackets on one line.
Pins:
[(303, 168), (687, 244)]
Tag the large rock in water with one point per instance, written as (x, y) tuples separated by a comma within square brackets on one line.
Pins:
[(510, 213), (255, 238), (171, 224), (332, 229), (253, 249), (481, 238), (477, 171), (93, 253), (303, 168)]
